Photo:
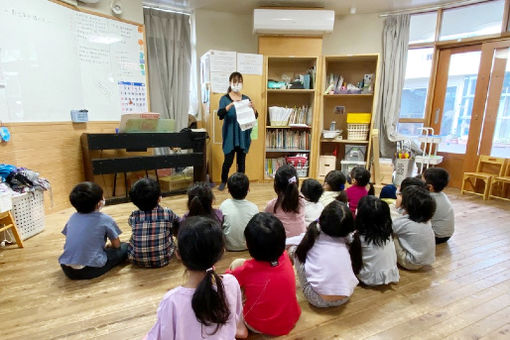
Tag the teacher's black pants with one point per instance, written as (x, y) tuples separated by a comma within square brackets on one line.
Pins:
[(229, 159)]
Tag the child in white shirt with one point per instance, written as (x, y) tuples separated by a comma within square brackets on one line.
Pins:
[(312, 191), (237, 212), (325, 262)]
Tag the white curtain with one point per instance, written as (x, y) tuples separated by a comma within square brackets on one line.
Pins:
[(169, 60), (395, 41)]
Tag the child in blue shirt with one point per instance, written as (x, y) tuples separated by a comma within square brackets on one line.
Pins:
[(85, 255)]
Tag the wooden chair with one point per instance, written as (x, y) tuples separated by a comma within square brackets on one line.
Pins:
[(7, 221), (483, 175), (500, 182)]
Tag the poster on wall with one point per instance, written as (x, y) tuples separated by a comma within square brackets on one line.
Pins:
[(222, 64), (250, 63)]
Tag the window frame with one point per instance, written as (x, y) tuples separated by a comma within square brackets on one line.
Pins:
[(437, 45)]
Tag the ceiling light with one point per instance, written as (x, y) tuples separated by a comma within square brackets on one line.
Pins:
[(352, 10)]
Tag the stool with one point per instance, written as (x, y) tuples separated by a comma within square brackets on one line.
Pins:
[(8, 221)]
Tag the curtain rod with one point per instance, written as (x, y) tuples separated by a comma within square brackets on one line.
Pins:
[(166, 8), (425, 9)]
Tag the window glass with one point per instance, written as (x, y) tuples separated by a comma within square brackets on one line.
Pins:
[(409, 129), (472, 21), (422, 28), (414, 93)]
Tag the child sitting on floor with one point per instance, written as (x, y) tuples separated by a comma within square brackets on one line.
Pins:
[(388, 194), (237, 212), (208, 305), (151, 244), (360, 178), (443, 221), (414, 241), (289, 206), (334, 185), (373, 225), (312, 191), (323, 261), (85, 255), (268, 280), (200, 200)]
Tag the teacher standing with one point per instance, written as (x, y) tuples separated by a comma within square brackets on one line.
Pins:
[(235, 141)]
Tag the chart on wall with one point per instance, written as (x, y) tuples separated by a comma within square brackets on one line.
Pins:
[(55, 59)]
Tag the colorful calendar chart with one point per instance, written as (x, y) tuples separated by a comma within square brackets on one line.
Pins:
[(133, 97)]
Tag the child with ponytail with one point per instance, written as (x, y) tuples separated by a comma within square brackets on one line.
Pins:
[(200, 200), (360, 178), (208, 305), (289, 206), (325, 261)]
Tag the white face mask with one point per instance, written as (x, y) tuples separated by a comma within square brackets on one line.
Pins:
[(236, 87)]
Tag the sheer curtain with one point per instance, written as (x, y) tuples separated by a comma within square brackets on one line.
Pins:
[(395, 42), (168, 37)]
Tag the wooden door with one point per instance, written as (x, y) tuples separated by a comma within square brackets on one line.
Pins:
[(471, 105), (456, 115)]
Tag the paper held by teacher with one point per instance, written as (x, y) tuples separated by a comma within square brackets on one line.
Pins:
[(245, 114)]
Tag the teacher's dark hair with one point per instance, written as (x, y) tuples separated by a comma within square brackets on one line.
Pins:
[(233, 77)]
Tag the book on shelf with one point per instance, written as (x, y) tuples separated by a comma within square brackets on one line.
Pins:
[(288, 139), (284, 116), (299, 161)]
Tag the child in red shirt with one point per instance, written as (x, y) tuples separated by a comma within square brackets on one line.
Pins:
[(360, 178), (268, 279)]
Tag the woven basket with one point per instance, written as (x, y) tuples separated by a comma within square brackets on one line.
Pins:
[(28, 212), (357, 131)]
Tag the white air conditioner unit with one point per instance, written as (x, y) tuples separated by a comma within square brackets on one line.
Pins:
[(293, 21)]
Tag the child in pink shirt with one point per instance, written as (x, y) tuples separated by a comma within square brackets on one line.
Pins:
[(360, 178), (289, 206), (207, 306)]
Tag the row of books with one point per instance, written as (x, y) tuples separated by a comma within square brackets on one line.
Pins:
[(301, 115), (284, 116), (272, 164), (288, 139)]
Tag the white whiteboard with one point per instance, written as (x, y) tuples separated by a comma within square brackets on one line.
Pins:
[(54, 59)]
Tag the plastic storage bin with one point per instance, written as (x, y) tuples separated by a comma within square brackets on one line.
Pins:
[(28, 212), (326, 164), (347, 166), (355, 152), (357, 125), (5, 202)]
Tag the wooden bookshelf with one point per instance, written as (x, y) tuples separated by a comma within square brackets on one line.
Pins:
[(277, 67), (352, 68)]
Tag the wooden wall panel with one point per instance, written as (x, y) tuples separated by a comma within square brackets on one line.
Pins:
[(53, 150)]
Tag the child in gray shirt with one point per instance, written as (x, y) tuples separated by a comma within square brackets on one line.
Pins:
[(414, 241), (443, 221)]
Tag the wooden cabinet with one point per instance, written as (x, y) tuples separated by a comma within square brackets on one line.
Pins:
[(295, 135), (336, 106)]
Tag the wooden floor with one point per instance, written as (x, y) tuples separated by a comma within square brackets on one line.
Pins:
[(466, 293)]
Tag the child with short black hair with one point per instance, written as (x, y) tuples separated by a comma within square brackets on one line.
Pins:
[(237, 212), (360, 178), (312, 191), (200, 201), (208, 305), (85, 255), (388, 194), (268, 280), (289, 206), (443, 221), (325, 262), (396, 208), (334, 185), (151, 244), (414, 241), (374, 228)]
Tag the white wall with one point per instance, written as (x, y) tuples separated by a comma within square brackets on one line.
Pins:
[(224, 31), (355, 34), (131, 9)]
